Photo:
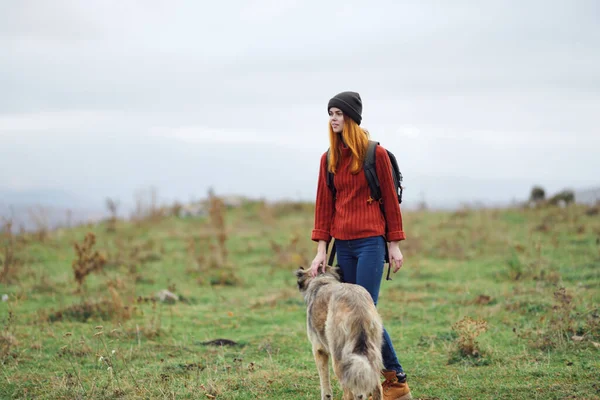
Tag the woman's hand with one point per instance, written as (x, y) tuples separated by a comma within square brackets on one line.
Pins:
[(396, 257), (320, 259), (318, 262)]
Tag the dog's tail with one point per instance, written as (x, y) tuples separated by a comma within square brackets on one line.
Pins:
[(359, 375), (361, 365)]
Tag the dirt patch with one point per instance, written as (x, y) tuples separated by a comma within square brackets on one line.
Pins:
[(220, 342)]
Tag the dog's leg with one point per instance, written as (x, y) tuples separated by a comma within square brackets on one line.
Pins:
[(377, 393), (322, 361), (348, 395)]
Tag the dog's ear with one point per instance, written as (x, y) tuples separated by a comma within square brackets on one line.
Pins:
[(302, 277), (300, 272)]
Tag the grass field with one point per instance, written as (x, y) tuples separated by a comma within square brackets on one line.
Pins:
[(490, 304)]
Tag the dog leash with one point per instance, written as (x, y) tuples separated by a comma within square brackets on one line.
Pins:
[(387, 259), (332, 254)]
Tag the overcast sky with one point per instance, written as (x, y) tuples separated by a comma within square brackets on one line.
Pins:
[(479, 100)]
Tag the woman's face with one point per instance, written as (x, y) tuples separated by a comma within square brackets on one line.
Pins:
[(336, 119)]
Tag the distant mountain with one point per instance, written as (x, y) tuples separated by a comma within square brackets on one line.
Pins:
[(32, 209), (43, 197)]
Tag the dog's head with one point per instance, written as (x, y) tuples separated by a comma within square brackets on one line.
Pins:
[(303, 276)]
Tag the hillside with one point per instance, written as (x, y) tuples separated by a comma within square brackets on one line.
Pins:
[(491, 304)]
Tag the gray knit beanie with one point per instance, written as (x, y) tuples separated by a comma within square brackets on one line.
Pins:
[(350, 103)]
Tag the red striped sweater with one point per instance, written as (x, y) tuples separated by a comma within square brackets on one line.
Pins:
[(351, 216)]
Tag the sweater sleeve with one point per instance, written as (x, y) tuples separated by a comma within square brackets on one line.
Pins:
[(393, 215), (323, 206)]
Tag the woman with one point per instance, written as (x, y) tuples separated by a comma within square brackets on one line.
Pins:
[(355, 221)]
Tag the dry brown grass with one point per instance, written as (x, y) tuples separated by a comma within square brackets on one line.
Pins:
[(210, 251), (266, 214), (132, 253), (8, 340), (39, 216), (562, 323), (200, 252), (9, 260), (205, 256), (282, 209), (468, 329), (87, 259), (217, 219), (272, 300), (290, 255), (113, 207)]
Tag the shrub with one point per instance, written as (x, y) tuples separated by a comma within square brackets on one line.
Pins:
[(564, 197), (538, 194), (87, 260), (466, 346)]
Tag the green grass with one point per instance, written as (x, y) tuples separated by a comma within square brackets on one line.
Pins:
[(504, 268)]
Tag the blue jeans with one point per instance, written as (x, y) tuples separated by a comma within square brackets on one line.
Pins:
[(362, 262)]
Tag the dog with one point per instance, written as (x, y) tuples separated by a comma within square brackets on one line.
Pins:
[(344, 325)]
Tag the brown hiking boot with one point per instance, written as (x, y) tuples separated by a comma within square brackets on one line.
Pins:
[(392, 389)]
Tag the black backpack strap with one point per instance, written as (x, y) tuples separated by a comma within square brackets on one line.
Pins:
[(330, 177), (371, 172), (332, 254), (373, 180)]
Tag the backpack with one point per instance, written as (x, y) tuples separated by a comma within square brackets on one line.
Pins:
[(373, 181)]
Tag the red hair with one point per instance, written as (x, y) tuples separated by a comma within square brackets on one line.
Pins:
[(356, 138)]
